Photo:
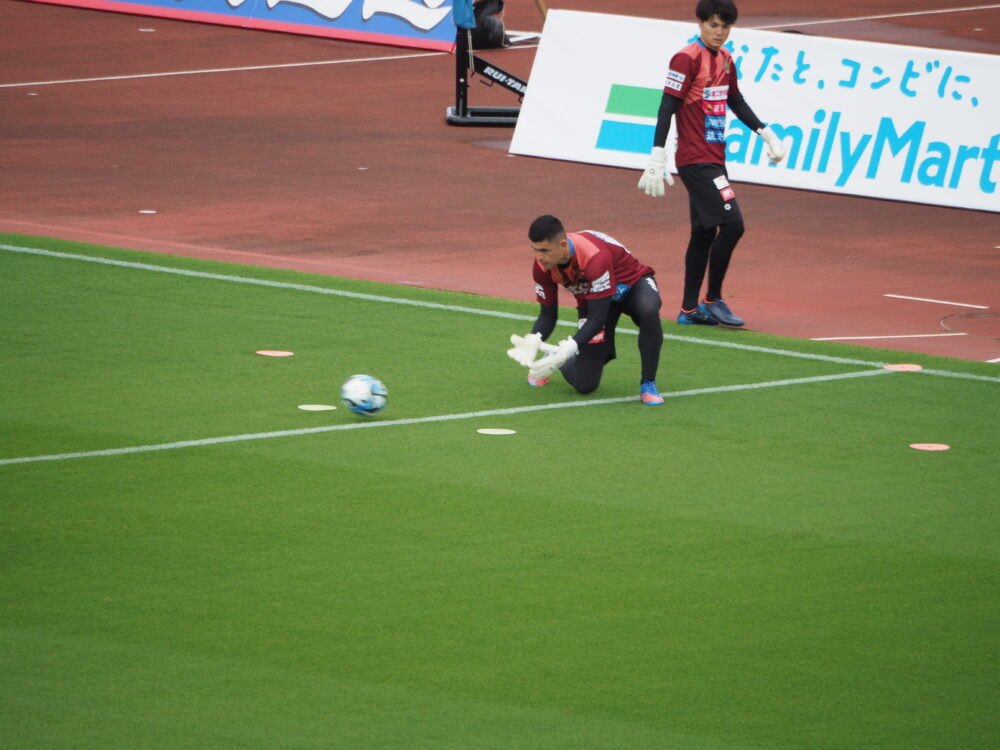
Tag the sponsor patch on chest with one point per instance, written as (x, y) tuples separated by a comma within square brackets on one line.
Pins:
[(716, 93)]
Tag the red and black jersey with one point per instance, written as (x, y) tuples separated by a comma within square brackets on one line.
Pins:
[(704, 82), (598, 265)]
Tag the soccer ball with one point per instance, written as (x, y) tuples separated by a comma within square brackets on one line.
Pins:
[(364, 394)]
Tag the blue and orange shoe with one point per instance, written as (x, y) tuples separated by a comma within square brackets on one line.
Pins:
[(719, 311), (695, 317), (648, 393)]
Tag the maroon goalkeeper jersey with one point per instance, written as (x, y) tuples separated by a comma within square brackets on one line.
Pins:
[(703, 81), (597, 266)]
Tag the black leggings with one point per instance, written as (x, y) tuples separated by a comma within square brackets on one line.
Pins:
[(642, 305), (712, 248)]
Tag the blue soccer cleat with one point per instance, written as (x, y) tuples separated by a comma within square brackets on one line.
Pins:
[(720, 311), (695, 317), (648, 393)]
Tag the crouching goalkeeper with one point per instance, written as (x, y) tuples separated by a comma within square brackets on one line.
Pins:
[(606, 280)]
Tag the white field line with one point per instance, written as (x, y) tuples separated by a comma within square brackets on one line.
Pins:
[(426, 420), (937, 301), (878, 338), (879, 17), (456, 308), (276, 66)]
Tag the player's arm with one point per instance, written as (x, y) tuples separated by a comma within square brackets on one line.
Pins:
[(545, 323), (597, 318), (669, 105), (661, 158), (740, 108)]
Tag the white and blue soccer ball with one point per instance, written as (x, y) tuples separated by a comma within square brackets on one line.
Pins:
[(364, 394)]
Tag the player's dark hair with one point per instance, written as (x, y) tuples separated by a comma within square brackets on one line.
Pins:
[(545, 228), (724, 9)]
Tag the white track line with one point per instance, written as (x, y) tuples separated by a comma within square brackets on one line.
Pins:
[(454, 308), (879, 17), (278, 66), (205, 71), (877, 338), (937, 301), (427, 420)]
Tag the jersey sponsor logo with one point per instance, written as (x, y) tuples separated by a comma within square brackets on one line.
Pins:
[(727, 194), (715, 108), (715, 136), (715, 123), (716, 93), (673, 75), (721, 182), (540, 291), (673, 85), (601, 284)]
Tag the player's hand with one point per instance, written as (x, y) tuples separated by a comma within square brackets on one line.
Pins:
[(775, 148), (553, 360), (525, 348), (651, 182)]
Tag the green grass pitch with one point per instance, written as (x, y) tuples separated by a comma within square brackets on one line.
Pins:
[(742, 568)]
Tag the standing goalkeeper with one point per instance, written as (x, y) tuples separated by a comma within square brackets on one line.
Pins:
[(701, 82), (606, 280)]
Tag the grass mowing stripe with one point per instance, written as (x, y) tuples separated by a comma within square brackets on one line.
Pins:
[(425, 420), (457, 308)]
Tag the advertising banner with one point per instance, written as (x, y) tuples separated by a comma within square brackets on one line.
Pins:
[(879, 120), (425, 24)]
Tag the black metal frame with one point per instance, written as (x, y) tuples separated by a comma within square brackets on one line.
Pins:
[(465, 61)]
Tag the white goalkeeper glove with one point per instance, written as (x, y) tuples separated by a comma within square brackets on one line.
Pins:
[(651, 182), (775, 148), (525, 348), (554, 359)]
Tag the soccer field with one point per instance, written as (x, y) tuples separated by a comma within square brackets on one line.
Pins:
[(190, 560)]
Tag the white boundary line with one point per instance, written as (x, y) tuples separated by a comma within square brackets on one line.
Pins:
[(936, 301), (427, 420), (204, 71), (459, 308), (876, 18)]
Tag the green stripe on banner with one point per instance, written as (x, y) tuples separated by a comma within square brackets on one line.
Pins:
[(636, 101)]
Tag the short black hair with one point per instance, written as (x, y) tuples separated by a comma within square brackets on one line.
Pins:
[(545, 228), (724, 9)]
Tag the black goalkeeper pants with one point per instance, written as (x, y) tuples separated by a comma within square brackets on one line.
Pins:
[(642, 305)]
